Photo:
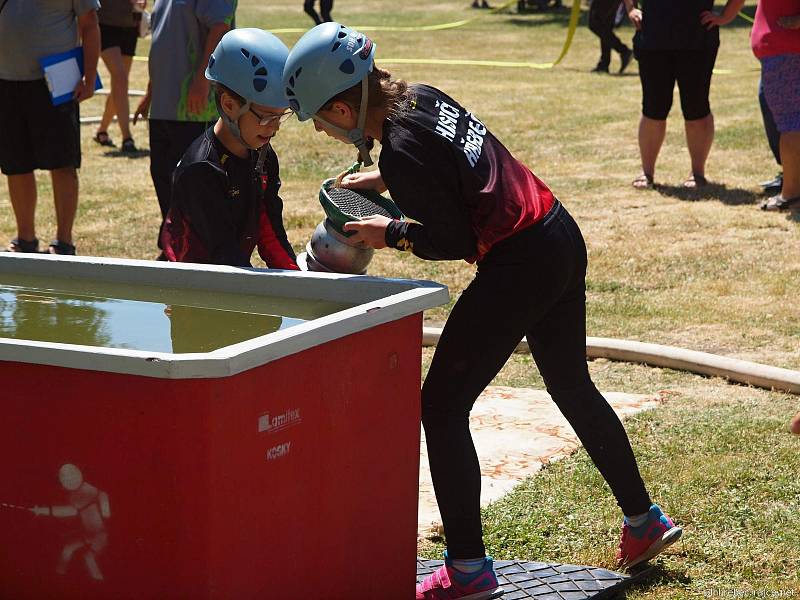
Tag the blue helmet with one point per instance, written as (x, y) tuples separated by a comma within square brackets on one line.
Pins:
[(250, 62), (327, 60)]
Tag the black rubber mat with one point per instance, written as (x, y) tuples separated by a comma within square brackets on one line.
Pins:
[(549, 581)]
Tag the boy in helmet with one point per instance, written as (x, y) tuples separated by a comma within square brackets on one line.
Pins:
[(225, 188)]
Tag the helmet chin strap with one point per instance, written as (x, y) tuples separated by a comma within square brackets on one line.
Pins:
[(356, 136), (233, 125)]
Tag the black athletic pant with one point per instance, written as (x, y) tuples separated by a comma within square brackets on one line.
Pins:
[(530, 284), (325, 7), (168, 141), (601, 23)]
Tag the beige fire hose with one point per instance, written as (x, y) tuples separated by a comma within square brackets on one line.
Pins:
[(656, 355)]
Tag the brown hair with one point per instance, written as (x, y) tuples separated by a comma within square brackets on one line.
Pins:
[(392, 95), (220, 89)]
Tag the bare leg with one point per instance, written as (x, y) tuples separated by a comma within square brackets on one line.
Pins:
[(651, 138), (22, 191), (115, 62), (790, 157), (699, 138), (109, 111), (65, 195)]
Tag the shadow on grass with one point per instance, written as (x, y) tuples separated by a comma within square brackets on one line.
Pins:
[(650, 577), (129, 155), (712, 191)]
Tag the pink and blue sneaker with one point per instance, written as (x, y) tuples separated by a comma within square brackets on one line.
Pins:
[(642, 543), (448, 583)]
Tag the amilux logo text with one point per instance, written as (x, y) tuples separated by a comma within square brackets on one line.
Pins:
[(273, 424)]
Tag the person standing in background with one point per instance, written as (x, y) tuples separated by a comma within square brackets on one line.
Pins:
[(179, 100), (325, 7), (119, 32), (602, 17), (677, 42), (34, 133), (775, 40)]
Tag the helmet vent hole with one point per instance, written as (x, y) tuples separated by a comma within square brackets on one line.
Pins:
[(261, 71), (336, 46), (295, 105), (291, 81), (289, 92), (347, 67), (245, 52), (297, 73), (342, 34), (254, 60), (211, 61), (259, 84)]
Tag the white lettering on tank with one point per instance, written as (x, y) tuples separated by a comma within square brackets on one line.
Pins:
[(279, 451)]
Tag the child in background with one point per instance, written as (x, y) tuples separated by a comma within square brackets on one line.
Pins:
[(225, 198)]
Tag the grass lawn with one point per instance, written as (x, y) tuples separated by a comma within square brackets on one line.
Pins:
[(704, 270)]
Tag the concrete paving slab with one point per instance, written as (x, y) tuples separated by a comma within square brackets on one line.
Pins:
[(516, 431)]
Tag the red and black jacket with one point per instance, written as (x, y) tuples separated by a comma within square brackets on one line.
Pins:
[(222, 210), (446, 170)]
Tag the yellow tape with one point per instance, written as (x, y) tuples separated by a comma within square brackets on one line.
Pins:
[(573, 25), (438, 27), (574, 17), (746, 18)]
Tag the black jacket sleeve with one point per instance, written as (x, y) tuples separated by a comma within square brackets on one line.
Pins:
[(273, 243), (423, 183)]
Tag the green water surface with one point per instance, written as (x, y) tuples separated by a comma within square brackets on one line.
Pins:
[(148, 318)]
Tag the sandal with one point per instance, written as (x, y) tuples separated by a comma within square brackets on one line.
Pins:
[(695, 181), (128, 147), (18, 245), (643, 182), (102, 138), (780, 203), (62, 248)]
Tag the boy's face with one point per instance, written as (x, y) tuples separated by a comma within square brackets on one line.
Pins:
[(259, 124)]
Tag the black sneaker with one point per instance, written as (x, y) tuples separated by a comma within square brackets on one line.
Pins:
[(600, 69)]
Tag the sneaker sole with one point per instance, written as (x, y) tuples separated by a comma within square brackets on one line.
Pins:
[(487, 595), (666, 540)]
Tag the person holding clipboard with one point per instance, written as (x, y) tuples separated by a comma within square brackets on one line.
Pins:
[(40, 127)]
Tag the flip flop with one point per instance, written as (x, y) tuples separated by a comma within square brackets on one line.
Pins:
[(25, 246), (695, 181), (102, 138), (63, 248), (780, 203), (643, 182), (128, 146)]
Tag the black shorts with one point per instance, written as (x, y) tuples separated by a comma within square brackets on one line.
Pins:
[(34, 134), (124, 38), (660, 69)]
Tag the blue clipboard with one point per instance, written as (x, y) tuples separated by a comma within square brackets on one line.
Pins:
[(62, 72)]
